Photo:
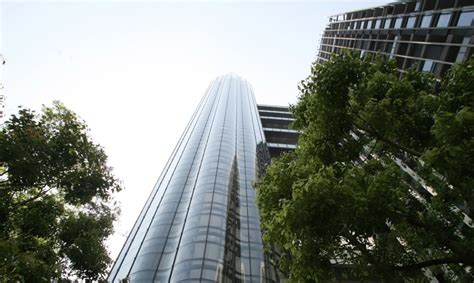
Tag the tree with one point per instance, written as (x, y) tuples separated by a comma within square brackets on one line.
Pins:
[(382, 178), (56, 191)]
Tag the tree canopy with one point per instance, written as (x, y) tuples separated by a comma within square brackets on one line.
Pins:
[(56, 206), (382, 178)]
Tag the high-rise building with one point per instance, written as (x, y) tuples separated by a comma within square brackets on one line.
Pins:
[(201, 221), (434, 34), (430, 34), (276, 122)]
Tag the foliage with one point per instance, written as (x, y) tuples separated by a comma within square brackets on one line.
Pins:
[(56, 191), (345, 193)]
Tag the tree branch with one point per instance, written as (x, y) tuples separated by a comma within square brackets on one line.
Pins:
[(428, 263), (464, 255), (380, 137), (372, 148), (37, 196)]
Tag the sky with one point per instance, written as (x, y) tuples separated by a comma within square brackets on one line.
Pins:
[(135, 71)]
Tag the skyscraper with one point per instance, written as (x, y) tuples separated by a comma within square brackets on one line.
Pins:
[(434, 34), (201, 221)]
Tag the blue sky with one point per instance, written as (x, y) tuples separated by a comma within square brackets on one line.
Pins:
[(135, 71)]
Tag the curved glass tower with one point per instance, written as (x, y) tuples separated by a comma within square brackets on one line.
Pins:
[(201, 222)]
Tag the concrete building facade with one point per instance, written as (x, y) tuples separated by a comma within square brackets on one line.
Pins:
[(434, 34)]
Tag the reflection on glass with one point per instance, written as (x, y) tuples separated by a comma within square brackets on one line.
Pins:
[(358, 25), (443, 20), (428, 66), (387, 23), (377, 24), (426, 20), (398, 23), (411, 22), (392, 51), (466, 19), (204, 198), (463, 49)]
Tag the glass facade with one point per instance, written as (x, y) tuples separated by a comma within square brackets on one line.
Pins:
[(201, 222)]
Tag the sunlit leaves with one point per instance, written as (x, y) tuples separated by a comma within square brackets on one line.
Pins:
[(341, 196), (54, 182)]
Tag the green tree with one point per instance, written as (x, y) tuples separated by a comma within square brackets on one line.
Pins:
[(56, 205), (352, 192)]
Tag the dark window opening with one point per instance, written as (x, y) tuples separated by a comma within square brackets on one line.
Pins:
[(433, 52)]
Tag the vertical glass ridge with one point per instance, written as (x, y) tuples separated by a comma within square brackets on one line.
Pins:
[(201, 222)]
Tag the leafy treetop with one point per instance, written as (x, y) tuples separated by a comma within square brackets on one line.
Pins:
[(345, 194), (56, 191)]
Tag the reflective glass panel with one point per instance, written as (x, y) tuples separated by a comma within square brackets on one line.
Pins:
[(443, 20), (425, 22), (466, 19), (411, 22), (428, 66), (377, 24), (398, 23)]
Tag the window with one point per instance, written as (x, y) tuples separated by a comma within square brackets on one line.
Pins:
[(398, 23), (372, 45), (392, 51), (411, 22), (428, 66), (466, 19), (452, 54), (425, 22), (369, 25), (462, 50), (443, 20), (377, 24), (433, 51), (416, 50), (387, 23), (417, 6)]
